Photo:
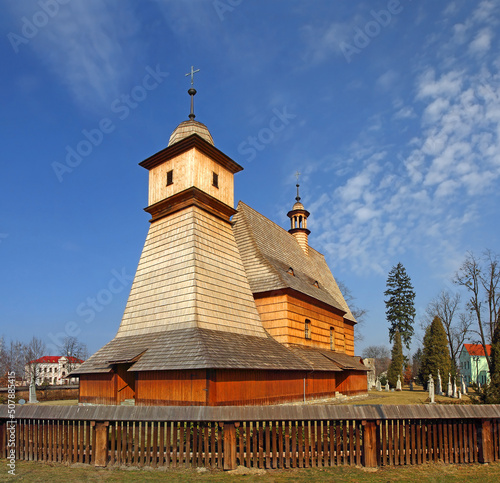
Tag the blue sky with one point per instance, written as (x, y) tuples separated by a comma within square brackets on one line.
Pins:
[(389, 109)]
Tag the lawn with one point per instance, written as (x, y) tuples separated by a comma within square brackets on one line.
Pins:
[(57, 473), (418, 396)]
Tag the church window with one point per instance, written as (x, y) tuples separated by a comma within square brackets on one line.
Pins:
[(332, 338), (290, 271), (307, 329), (170, 177), (215, 180), (316, 284)]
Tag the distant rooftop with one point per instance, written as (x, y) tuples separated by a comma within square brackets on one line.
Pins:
[(55, 359), (477, 349)]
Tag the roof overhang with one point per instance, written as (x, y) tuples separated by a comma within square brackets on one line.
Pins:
[(190, 142)]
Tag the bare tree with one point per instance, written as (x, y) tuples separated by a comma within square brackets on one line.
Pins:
[(73, 349), (481, 279), (358, 313), (382, 356), (33, 351), (11, 357), (456, 324)]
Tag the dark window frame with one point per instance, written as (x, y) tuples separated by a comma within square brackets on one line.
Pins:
[(307, 329)]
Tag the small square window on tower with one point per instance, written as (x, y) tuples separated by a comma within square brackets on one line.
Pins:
[(215, 179), (170, 177)]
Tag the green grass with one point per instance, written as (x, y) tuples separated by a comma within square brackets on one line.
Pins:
[(418, 396), (59, 473)]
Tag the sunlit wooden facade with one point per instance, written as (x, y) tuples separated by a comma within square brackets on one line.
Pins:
[(226, 307)]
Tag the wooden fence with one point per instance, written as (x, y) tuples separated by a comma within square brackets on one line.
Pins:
[(260, 437)]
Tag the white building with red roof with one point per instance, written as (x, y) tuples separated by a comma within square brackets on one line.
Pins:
[(52, 369), (473, 363)]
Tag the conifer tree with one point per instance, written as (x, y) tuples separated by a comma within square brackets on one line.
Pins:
[(436, 354), (397, 361), (400, 308)]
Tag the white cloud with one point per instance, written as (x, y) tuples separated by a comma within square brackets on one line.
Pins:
[(387, 79), (425, 202), (406, 112), (435, 110), (447, 85), (83, 47), (485, 11), (482, 42), (322, 42)]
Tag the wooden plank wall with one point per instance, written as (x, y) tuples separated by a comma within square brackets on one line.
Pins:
[(125, 383), (191, 168), (171, 388), (284, 316), (351, 383), (222, 387), (242, 387), (98, 388)]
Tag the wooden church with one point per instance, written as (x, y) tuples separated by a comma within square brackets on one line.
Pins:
[(226, 307)]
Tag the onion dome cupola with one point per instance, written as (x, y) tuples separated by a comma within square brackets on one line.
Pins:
[(298, 216)]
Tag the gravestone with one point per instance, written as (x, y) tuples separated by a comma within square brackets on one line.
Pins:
[(439, 388), (455, 387), (431, 388), (387, 387), (450, 387), (32, 393), (378, 386), (398, 384)]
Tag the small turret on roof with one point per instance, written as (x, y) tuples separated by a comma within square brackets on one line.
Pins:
[(298, 217)]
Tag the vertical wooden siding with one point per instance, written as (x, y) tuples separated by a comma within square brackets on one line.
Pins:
[(125, 383), (98, 388), (171, 388), (352, 382), (224, 387)]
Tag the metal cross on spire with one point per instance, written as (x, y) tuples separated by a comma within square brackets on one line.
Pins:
[(297, 175), (192, 91), (192, 73)]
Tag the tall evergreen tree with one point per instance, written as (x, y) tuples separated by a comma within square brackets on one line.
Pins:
[(400, 308), (436, 354), (397, 361)]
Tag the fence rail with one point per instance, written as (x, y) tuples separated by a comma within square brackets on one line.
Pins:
[(273, 437)]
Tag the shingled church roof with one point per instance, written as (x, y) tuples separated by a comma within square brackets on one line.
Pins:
[(211, 349), (268, 252), (274, 260)]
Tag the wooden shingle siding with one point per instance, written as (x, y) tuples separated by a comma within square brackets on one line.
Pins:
[(190, 275)]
